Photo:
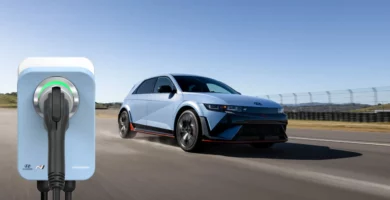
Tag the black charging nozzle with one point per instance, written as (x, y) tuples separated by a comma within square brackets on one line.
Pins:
[(56, 117), (69, 187), (43, 187)]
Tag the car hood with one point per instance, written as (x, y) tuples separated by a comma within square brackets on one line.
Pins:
[(231, 99)]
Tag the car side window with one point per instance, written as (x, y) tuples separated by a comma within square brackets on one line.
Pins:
[(163, 81), (147, 86)]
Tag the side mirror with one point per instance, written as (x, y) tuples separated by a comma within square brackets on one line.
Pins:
[(165, 89)]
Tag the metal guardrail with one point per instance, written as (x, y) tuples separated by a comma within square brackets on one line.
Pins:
[(341, 116), (348, 100)]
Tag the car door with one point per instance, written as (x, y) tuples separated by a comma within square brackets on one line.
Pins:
[(161, 110), (139, 101)]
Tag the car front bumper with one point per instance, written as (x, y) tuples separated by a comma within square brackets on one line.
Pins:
[(240, 128)]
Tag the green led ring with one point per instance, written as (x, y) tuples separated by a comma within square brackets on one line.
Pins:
[(67, 87), (54, 83)]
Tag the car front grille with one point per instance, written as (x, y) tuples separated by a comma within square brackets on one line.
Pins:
[(262, 132)]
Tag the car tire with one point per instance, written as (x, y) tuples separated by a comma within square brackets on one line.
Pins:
[(262, 145), (124, 126), (188, 131)]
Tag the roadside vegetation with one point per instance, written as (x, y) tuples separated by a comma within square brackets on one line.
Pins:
[(8, 100), (373, 108), (382, 127)]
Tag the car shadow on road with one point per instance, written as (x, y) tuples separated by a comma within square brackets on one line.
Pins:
[(283, 151)]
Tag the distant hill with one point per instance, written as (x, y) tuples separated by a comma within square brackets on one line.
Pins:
[(9, 100)]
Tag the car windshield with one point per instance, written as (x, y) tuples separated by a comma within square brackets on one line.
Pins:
[(203, 84)]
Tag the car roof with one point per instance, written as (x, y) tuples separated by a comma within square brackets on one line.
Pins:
[(176, 74), (172, 74)]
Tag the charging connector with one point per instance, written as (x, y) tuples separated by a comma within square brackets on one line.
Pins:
[(56, 117), (43, 187), (69, 187)]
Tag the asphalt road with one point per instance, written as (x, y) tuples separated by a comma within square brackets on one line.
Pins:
[(314, 164)]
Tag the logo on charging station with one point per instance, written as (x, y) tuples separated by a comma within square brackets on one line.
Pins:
[(40, 167), (27, 167)]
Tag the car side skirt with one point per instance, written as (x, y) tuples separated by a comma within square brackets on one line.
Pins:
[(151, 130), (205, 130)]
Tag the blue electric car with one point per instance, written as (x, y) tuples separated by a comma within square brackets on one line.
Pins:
[(195, 109)]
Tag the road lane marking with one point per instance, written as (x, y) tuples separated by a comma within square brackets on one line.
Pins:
[(304, 174), (341, 141)]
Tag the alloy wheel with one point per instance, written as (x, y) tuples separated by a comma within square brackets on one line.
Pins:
[(123, 121), (187, 130)]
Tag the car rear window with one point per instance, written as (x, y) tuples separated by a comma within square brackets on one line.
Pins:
[(147, 86)]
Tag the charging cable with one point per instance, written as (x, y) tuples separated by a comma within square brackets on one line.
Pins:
[(43, 187), (56, 116), (69, 187)]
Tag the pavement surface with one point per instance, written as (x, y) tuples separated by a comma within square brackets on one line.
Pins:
[(314, 164)]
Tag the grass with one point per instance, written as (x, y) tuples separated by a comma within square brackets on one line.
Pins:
[(345, 126), (8, 100), (372, 108), (8, 105)]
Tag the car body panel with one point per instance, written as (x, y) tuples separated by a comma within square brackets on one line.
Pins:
[(191, 104), (162, 106), (161, 110), (213, 117), (229, 133), (138, 109), (126, 104)]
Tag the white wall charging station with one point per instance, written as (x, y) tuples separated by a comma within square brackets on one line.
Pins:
[(56, 121)]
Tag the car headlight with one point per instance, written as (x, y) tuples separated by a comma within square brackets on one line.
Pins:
[(223, 108), (280, 110)]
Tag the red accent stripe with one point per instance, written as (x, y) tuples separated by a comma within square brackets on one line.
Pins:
[(245, 142), (131, 127)]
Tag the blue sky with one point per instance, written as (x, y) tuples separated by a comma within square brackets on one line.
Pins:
[(257, 47)]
